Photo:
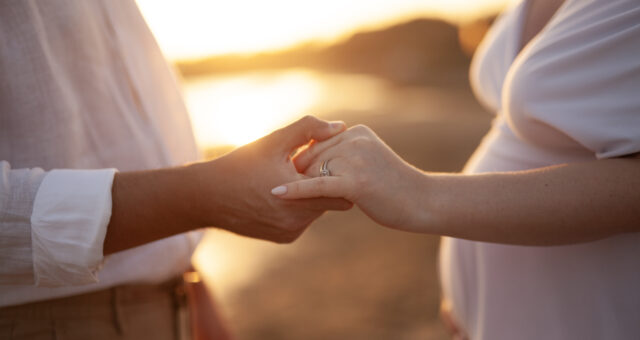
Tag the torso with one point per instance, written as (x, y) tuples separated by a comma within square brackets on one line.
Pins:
[(84, 85), (537, 15), (563, 80)]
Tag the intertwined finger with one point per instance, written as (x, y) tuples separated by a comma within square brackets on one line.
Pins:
[(304, 158), (304, 130)]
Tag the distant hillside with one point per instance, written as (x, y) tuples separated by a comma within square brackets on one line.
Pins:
[(421, 51)]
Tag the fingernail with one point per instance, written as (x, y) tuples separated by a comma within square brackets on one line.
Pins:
[(281, 190), (337, 125)]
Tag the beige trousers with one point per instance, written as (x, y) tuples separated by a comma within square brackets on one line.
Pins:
[(126, 312)]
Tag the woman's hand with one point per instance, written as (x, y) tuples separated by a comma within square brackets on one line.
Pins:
[(561, 204), (365, 171)]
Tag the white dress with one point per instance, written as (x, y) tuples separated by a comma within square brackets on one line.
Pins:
[(571, 95)]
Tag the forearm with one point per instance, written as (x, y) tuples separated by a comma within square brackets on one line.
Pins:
[(555, 205), (154, 204)]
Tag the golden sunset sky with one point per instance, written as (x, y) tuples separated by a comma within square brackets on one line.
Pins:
[(190, 29)]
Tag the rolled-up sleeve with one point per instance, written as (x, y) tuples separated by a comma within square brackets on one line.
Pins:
[(18, 190), (56, 223)]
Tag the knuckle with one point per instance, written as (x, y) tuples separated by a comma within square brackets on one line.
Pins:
[(358, 162), (360, 181), (314, 186), (359, 142), (320, 183), (294, 188), (362, 129), (308, 119)]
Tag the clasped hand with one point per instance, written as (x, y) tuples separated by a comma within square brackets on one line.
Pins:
[(365, 171), (239, 184)]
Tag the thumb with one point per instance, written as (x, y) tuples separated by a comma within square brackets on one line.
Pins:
[(304, 130)]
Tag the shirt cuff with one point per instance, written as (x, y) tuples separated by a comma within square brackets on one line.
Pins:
[(69, 222)]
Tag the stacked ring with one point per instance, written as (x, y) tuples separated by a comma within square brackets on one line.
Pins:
[(324, 171)]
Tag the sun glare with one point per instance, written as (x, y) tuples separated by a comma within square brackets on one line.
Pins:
[(247, 107), (238, 109)]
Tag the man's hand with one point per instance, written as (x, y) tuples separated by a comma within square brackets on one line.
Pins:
[(231, 192), (239, 183)]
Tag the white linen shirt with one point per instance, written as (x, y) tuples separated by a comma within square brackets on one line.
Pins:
[(84, 90), (571, 95)]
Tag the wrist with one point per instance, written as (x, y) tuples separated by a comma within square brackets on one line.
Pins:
[(213, 194), (203, 180), (437, 198), (177, 198), (420, 205), (149, 205)]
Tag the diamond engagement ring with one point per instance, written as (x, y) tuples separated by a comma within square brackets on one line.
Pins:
[(323, 169)]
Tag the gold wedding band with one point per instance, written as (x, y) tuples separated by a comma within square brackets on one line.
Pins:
[(324, 171)]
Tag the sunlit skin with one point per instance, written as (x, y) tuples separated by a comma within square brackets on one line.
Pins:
[(240, 109)]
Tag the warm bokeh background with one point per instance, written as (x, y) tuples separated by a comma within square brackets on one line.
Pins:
[(398, 66)]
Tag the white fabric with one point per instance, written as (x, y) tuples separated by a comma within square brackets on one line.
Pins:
[(83, 85), (18, 190), (153, 263), (581, 77), (571, 95), (68, 226)]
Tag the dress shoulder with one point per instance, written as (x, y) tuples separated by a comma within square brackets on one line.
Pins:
[(578, 81)]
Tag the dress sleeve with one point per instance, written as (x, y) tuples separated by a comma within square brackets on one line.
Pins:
[(581, 77), (53, 225)]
